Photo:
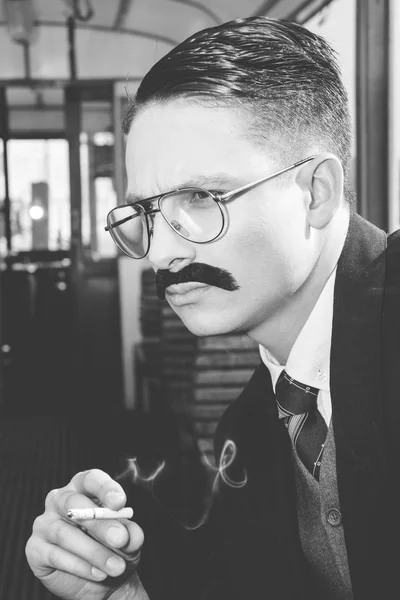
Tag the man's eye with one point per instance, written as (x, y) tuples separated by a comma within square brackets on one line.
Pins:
[(200, 198), (200, 195)]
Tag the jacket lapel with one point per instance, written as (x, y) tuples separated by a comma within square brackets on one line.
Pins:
[(355, 382), (356, 391)]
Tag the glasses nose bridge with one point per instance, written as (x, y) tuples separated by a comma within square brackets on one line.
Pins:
[(150, 206), (148, 212)]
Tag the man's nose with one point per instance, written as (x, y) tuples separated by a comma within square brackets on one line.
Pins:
[(167, 247)]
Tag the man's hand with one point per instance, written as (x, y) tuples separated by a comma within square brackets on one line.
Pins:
[(94, 559)]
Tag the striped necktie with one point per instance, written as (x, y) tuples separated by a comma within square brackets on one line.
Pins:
[(297, 405)]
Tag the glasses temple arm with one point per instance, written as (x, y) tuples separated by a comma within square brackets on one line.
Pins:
[(120, 222), (254, 184)]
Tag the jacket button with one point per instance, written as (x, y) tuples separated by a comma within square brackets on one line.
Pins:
[(334, 517)]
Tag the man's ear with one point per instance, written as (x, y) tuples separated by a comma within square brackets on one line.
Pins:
[(322, 179)]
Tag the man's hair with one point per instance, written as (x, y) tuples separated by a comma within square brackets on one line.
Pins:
[(283, 78)]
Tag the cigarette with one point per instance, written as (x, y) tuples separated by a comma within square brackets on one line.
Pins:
[(85, 514)]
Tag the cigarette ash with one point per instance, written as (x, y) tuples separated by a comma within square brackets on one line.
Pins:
[(217, 475)]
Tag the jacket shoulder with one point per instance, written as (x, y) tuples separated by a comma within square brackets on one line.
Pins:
[(394, 241), (392, 283)]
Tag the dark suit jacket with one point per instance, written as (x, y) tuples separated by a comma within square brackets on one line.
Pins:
[(256, 552)]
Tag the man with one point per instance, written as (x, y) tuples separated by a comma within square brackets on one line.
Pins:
[(238, 150)]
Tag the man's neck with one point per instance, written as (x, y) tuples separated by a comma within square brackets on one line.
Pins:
[(279, 334)]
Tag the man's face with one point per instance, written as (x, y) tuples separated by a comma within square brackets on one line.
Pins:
[(267, 247)]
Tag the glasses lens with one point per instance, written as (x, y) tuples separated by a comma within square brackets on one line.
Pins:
[(193, 213), (128, 228)]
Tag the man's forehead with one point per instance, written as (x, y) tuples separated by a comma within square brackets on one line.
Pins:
[(186, 120), (180, 143)]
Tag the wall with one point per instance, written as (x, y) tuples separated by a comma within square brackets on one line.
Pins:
[(337, 24), (394, 116), (129, 270)]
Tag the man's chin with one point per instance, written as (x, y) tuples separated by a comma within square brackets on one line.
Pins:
[(201, 323)]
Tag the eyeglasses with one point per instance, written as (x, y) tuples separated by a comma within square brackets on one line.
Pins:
[(194, 213)]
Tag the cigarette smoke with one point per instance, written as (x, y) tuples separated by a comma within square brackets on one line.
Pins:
[(219, 474), (133, 471)]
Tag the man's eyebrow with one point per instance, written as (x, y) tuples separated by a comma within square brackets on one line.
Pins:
[(132, 198), (204, 181)]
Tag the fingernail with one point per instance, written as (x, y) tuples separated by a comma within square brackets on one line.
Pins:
[(115, 498), (97, 574), (115, 565), (115, 535)]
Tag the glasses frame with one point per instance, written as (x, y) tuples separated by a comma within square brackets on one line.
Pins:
[(218, 199)]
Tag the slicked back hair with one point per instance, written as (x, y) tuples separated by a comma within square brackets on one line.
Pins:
[(282, 77)]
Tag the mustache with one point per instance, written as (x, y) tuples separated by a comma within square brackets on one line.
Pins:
[(199, 272)]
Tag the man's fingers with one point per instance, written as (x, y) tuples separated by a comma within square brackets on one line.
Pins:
[(67, 498), (121, 534), (99, 485), (135, 540), (46, 558), (94, 484), (49, 501), (111, 532), (71, 539)]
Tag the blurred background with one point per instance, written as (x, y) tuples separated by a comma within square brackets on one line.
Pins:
[(94, 369)]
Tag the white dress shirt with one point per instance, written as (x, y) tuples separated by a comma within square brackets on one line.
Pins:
[(309, 358)]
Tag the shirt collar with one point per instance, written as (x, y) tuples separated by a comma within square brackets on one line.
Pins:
[(309, 359)]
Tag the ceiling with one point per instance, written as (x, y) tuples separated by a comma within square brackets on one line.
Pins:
[(116, 39)]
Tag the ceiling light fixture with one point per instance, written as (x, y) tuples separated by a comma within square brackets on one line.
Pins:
[(20, 20)]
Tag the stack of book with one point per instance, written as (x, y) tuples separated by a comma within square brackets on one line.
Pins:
[(222, 368), (147, 353), (150, 308), (178, 350)]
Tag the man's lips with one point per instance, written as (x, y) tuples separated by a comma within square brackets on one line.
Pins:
[(183, 288)]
